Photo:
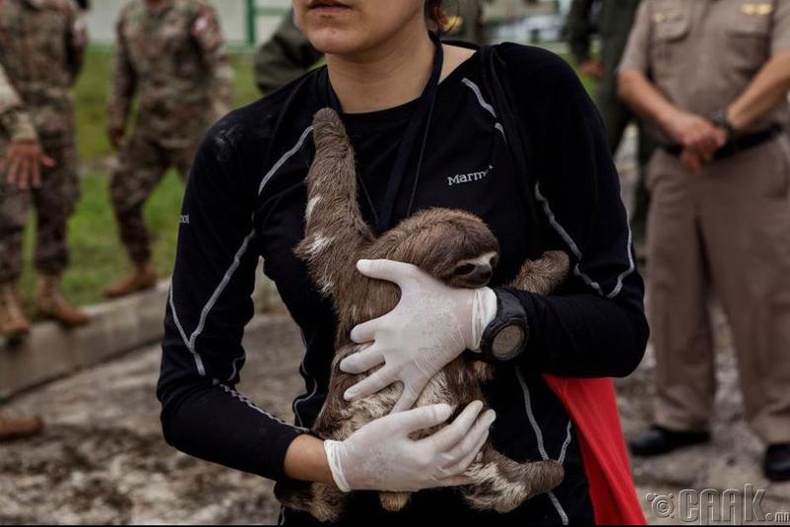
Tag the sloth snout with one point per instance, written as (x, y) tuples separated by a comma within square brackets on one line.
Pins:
[(476, 272)]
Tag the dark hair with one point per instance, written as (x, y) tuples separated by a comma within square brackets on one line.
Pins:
[(434, 10)]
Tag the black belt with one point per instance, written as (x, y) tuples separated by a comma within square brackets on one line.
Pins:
[(735, 145)]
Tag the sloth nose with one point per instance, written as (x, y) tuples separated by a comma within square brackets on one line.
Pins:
[(482, 273)]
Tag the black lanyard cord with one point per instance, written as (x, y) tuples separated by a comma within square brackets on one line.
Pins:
[(422, 114)]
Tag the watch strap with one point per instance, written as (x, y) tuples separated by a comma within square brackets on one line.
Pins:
[(506, 336), (719, 118)]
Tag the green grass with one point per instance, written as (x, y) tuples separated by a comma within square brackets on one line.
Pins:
[(91, 97), (97, 256), (588, 82)]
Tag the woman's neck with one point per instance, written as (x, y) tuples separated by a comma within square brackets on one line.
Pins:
[(392, 74)]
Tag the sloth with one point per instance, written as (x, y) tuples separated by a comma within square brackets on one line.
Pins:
[(453, 246)]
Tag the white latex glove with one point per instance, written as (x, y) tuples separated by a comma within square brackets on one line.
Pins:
[(431, 325), (381, 455)]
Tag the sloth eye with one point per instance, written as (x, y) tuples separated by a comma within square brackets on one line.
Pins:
[(464, 269)]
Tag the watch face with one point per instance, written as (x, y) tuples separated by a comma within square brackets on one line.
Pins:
[(508, 342)]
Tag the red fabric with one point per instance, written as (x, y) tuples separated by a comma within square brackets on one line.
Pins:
[(592, 406)]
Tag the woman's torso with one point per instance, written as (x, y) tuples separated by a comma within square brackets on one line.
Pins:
[(466, 165)]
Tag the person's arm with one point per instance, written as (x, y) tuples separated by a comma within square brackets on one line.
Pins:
[(123, 85), (578, 30), (595, 325), (21, 162), (305, 460), (76, 42), (208, 307), (768, 89), (699, 137), (695, 133), (772, 83), (207, 33), (14, 119), (284, 57)]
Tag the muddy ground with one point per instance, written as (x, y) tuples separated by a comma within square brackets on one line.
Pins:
[(102, 460)]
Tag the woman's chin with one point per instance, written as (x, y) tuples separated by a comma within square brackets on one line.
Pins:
[(333, 44)]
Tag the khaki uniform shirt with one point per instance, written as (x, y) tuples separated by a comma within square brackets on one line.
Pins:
[(42, 46), (173, 59), (702, 54)]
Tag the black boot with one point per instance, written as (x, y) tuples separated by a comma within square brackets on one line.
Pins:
[(777, 462), (658, 440)]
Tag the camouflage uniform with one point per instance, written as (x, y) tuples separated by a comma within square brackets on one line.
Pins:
[(43, 44), (288, 54), (172, 58), (284, 57)]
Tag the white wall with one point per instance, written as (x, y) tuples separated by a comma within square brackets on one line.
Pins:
[(232, 15), (233, 18), (101, 20)]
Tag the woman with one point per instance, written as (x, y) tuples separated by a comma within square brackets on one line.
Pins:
[(425, 134)]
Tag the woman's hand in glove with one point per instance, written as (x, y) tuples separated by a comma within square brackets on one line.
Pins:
[(382, 456), (431, 325)]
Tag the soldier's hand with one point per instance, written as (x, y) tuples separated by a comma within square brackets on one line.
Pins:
[(22, 164), (691, 161), (115, 136), (697, 134), (592, 68)]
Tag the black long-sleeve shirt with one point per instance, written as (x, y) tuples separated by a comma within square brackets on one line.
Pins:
[(246, 198)]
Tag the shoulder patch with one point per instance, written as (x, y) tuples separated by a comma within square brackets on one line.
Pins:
[(205, 29), (200, 25)]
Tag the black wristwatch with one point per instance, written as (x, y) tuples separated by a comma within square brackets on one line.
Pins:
[(719, 118), (506, 335)]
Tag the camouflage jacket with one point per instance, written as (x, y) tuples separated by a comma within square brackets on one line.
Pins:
[(42, 51), (613, 24), (173, 59)]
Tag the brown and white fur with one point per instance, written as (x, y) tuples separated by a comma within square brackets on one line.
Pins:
[(451, 245)]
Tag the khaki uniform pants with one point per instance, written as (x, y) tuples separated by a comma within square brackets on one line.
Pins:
[(727, 232)]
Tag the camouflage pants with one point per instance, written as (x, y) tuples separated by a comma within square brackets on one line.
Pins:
[(53, 202), (142, 163)]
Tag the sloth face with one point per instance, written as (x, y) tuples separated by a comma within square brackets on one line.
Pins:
[(452, 245)]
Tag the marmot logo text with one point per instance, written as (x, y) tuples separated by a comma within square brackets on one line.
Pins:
[(468, 178)]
